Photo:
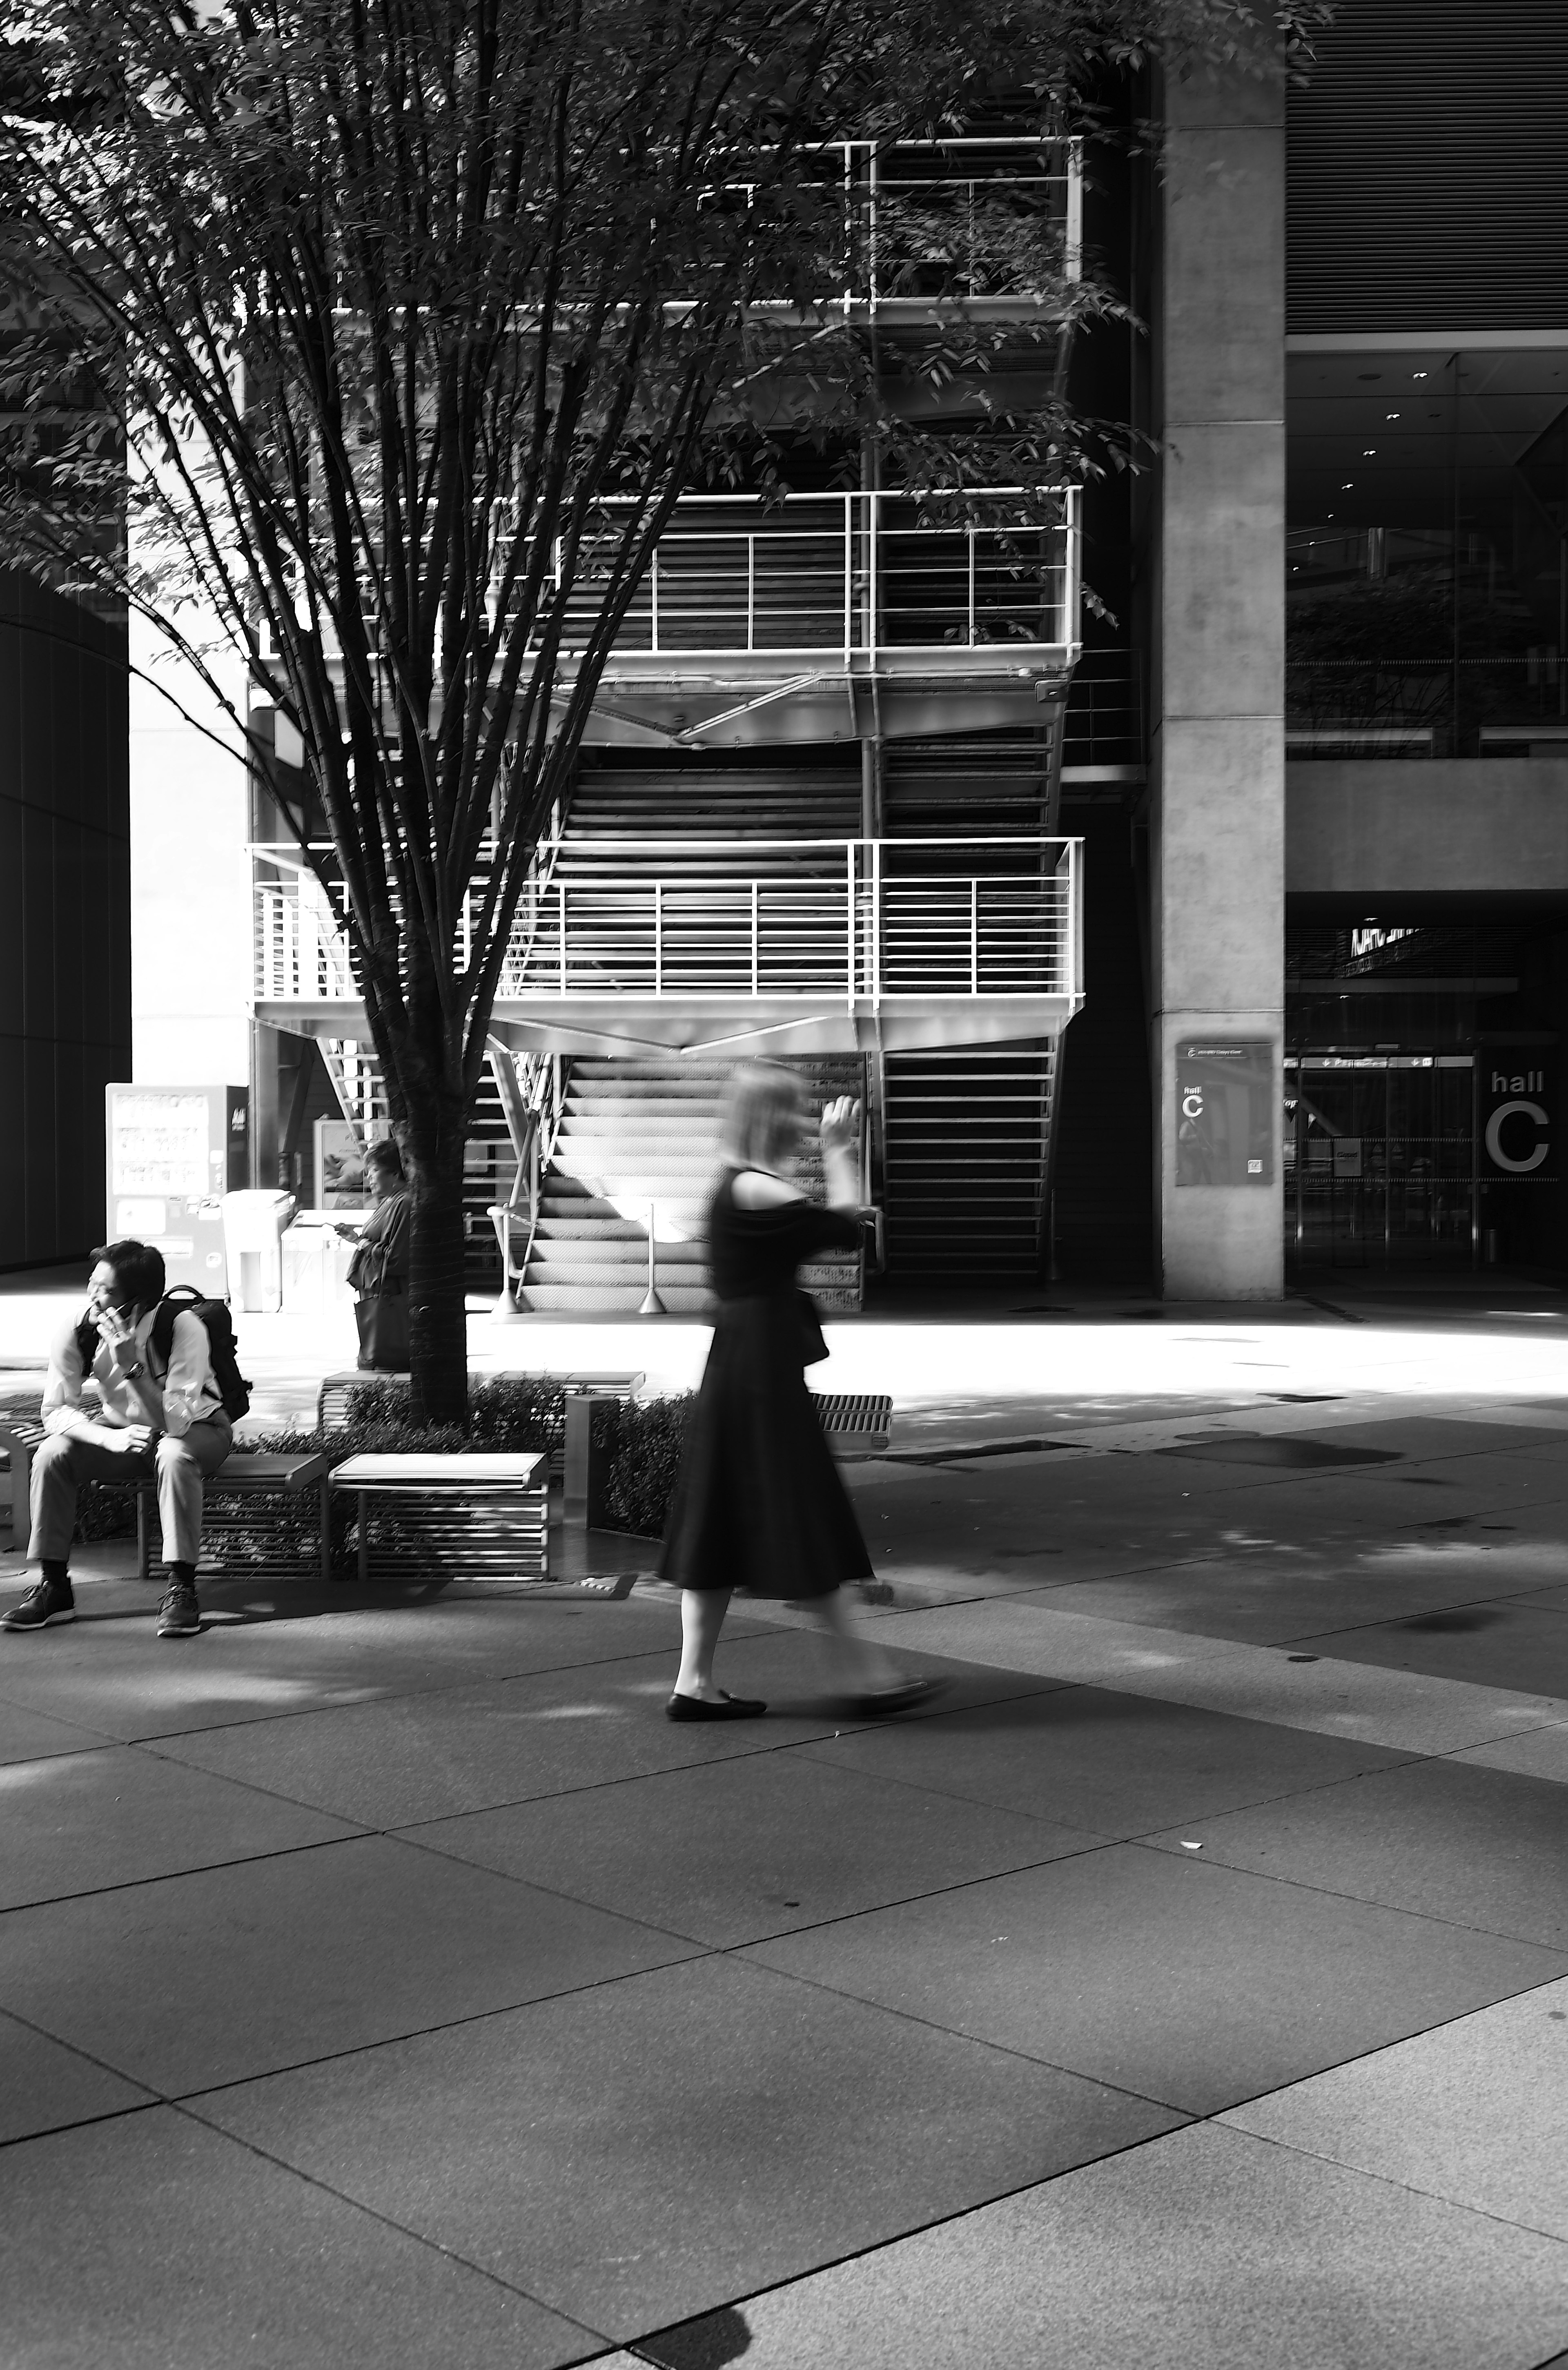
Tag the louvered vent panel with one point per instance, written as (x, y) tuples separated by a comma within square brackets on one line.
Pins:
[(1427, 186)]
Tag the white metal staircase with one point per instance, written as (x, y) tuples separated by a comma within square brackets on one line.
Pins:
[(637, 1152)]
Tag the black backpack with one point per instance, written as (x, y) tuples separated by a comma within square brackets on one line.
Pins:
[(221, 1347)]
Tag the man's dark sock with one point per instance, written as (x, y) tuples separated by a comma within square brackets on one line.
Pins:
[(183, 1572), (55, 1568)]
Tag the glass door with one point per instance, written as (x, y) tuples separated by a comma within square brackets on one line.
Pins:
[(1378, 1160)]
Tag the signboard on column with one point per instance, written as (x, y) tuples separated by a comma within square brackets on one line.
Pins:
[(1226, 1111), (1518, 1112), (173, 1151)]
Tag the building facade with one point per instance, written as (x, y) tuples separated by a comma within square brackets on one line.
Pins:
[(1210, 933)]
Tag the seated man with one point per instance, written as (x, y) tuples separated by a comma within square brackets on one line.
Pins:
[(170, 1424)]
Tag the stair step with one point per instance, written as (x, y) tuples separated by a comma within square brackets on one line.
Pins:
[(603, 1299)]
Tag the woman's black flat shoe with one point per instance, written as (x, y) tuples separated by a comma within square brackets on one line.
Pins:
[(908, 1696), (695, 1708)]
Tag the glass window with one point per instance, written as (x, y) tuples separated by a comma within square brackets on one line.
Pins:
[(1426, 585)]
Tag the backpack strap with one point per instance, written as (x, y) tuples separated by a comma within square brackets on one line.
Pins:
[(160, 1341)]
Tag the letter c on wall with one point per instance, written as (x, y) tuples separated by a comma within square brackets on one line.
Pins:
[(1494, 1136)]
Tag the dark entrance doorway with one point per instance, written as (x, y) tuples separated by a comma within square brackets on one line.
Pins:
[(1380, 1160)]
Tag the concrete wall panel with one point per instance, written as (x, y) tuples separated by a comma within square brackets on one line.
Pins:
[(1375, 827)]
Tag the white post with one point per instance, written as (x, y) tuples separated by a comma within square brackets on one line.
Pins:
[(876, 925), (750, 592), (973, 934), (755, 890), (849, 923), (1072, 255), (560, 914), (658, 938), (651, 1305)]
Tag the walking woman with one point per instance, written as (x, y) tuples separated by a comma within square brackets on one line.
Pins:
[(759, 1504), (379, 1269)]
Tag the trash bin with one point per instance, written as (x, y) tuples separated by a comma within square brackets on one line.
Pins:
[(253, 1235)]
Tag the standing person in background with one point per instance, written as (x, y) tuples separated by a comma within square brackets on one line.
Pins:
[(380, 1269), (164, 1421), (759, 1502)]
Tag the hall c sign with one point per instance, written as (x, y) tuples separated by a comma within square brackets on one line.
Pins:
[(1516, 1116)]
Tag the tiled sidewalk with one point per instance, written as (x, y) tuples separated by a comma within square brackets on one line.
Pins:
[(387, 1983)]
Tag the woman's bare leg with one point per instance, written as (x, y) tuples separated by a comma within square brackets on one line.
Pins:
[(860, 1667), (702, 1617)]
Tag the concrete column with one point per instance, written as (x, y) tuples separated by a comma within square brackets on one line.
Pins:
[(1217, 746)]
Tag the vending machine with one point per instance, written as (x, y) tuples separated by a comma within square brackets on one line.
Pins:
[(173, 1151)]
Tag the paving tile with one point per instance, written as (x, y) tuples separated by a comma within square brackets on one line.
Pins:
[(649, 2149), (458, 1749), (119, 1815), (32, 1735), (44, 2085), (1490, 1645), (117, 1676), (1536, 1753), (1175, 1978), (751, 1847), (1483, 1847), (156, 2244), (1472, 2112), (1407, 1711), (238, 1971), (1426, 1438), (436, 1755), (1115, 1764), (1201, 2251), (1030, 1635), (1278, 1593), (1554, 1599)]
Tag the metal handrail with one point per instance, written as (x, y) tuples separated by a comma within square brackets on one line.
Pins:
[(860, 926), (850, 583)]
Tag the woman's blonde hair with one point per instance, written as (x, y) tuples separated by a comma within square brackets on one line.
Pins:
[(763, 1105)]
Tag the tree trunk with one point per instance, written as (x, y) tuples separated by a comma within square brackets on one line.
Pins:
[(438, 1329)]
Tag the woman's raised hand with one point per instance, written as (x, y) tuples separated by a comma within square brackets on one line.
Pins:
[(841, 1125)]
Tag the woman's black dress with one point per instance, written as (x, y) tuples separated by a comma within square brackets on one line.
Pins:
[(759, 1504)]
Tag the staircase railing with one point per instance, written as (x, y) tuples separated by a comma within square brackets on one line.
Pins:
[(708, 921), (855, 575), (533, 1097)]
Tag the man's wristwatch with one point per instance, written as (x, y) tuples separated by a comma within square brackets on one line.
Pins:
[(129, 1373)]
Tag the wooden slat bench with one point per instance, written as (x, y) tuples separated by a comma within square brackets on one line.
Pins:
[(468, 1515)]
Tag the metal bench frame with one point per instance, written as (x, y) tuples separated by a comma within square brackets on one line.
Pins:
[(239, 1479), (503, 1532)]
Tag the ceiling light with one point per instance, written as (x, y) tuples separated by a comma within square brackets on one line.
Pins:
[(1348, 486), (1419, 373), (1369, 451), (1390, 415)]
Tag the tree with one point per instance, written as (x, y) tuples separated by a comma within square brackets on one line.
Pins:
[(337, 324)]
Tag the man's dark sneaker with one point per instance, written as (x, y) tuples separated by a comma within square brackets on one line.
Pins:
[(179, 1615), (46, 1601)]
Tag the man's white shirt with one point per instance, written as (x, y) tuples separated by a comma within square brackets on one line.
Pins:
[(188, 1393)]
